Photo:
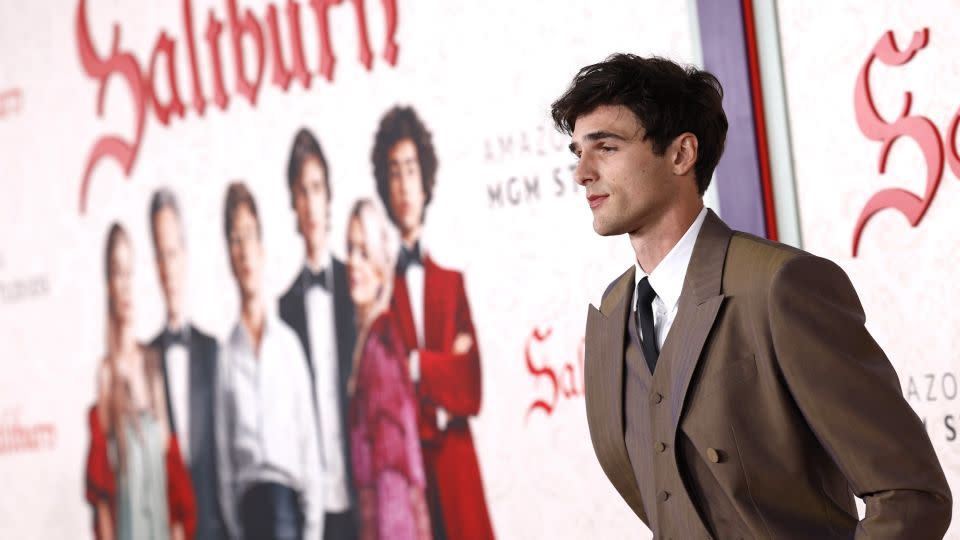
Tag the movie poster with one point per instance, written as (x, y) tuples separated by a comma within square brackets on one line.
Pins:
[(311, 264)]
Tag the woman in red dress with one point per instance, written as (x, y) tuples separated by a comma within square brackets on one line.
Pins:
[(135, 479)]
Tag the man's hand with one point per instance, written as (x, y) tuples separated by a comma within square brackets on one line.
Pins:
[(462, 343)]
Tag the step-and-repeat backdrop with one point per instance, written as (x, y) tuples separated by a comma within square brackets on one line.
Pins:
[(353, 124), (105, 103)]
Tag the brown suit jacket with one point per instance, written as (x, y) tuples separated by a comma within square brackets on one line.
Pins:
[(776, 381)]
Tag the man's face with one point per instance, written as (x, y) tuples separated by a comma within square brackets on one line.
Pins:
[(246, 252), (120, 284), (171, 257), (628, 186), (406, 186), (310, 203)]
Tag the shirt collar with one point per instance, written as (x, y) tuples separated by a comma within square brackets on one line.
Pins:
[(240, 338), (667, 278)]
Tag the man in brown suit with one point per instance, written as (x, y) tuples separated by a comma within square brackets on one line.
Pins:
[(732, 390)]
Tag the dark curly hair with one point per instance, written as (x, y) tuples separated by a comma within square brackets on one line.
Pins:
[(398, 124), (667, 98)]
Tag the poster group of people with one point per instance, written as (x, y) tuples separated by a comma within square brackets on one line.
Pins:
[(341, 412)]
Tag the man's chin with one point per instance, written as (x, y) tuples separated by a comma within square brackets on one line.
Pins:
[(605, 229)]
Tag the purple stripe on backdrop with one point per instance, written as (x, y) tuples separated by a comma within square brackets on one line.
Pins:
[(738, 173)]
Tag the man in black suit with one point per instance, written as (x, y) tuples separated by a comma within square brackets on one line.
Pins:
[(319, 309), (189, 366)]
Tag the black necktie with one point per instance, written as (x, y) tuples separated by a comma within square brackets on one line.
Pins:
[(319, 278), (645, 296), (408, 257)]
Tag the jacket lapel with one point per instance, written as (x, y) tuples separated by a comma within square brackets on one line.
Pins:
[(604, 388), (700, 302), (299, 317), (402, 310), (201, 382), (432, 331)]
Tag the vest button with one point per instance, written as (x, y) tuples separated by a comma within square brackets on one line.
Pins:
[(713, 455), (661, 447), (664, 495), (656, 397)]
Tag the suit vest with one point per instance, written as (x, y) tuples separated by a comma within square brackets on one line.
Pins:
[(659, 463)]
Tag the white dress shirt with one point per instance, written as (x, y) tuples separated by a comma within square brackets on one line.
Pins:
[(321, 329), (177, 360), (267, 430), (667, 281), (415, 278)]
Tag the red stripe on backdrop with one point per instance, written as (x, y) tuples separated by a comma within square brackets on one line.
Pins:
[(753, 61)]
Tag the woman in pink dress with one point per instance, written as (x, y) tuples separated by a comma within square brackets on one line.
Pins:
[(387, 460)]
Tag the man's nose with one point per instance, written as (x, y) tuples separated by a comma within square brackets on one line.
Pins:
[(584, 173), (405, 184)]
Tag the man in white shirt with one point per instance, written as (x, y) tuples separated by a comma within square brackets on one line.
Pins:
[(319, 309), (266, 433), (189, 362)]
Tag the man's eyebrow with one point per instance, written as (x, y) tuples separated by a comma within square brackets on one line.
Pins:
[(596, 136)]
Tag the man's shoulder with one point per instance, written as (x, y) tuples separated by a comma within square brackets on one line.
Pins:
[(283, 334), (758, 263), (442, 276), (293, 290), (747, 251), (287, 345), (155, 340), (439, 269), (290, 296)]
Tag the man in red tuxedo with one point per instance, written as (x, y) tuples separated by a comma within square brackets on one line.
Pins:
[(431, 306)]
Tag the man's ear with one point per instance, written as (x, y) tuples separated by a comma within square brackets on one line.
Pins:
[(684, 151)]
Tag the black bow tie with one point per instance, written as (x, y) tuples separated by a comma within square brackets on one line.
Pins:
[(319, 278), (408, 257), (175, 337)]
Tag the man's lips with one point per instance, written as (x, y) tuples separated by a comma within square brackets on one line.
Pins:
[(596, 200)]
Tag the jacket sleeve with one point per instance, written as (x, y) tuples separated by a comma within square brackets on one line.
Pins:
[(452, 381), (850, 396)]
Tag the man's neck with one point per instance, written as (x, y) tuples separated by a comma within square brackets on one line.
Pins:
[(175, 319), (252, 317), (316, 255), (411, 237), (652, 243)]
